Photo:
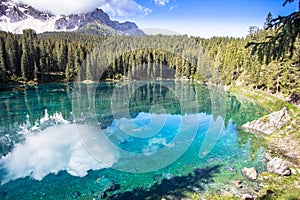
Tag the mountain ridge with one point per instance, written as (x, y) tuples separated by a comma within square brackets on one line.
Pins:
[(15, 17)]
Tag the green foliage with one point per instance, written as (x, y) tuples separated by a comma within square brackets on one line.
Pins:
[(280, 187), (281, 36), (40, 58), (279, 43), (3, 70), (268, 102)]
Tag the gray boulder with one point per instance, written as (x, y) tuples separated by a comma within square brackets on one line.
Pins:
[(250, 173), (270, 123), (279, 166)]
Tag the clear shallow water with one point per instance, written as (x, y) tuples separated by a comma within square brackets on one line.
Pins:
[(158, 138)]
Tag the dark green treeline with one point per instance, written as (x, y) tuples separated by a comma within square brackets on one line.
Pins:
[(66, 57)]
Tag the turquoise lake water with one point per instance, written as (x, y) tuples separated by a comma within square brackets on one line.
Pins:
[(125, 140)]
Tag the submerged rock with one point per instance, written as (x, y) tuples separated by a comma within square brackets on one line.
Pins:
[(230, 169), (213, 160), (168, 176), (159, 177), (250, 173), (270, 123), (279, 166), (105, 185)]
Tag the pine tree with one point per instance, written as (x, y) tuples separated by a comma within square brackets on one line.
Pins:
[(13, 59), (28, 54), (43, 62), (70, 66), (3, 72), (280, 42), (268, 21), (24, 63)]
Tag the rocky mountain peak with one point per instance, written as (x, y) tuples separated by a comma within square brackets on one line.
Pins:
[(17, 17)]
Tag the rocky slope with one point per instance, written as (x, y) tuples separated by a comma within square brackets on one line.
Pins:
[(270, 123), (17, 17)]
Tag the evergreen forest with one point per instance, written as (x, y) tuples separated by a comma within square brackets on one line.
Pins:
[(68, 57)]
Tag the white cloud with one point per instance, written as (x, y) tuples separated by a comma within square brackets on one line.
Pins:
[(161, 2), (123, 8)]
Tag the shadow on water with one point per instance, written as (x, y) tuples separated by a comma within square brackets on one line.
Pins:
[(177, 187)]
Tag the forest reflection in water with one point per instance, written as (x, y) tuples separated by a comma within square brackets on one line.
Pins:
[(22, 107)]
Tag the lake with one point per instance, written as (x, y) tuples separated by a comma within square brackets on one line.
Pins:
[(124, 140)]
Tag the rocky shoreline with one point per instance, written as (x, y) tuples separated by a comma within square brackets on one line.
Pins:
[(279, 132), (270, 123)]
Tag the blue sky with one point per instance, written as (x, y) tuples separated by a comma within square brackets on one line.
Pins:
[(207, 18)]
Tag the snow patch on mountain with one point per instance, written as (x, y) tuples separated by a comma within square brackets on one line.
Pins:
[(29, 23), (15, 17)]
